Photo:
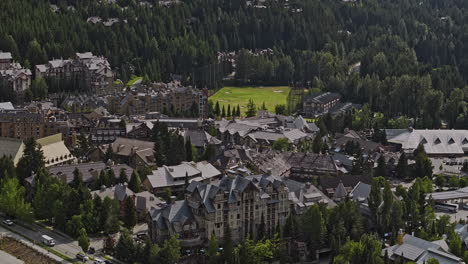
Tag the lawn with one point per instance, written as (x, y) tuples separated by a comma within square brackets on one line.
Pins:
[(234, 96)]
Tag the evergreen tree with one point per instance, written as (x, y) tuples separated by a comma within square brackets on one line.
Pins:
[(317, 144), (212, 251), (423, 165), (238, 112), (188, 150), (135, 182), (125, 248), (251, 109), (381, 169), (123, 176), (186, 179), (217, 110), (228, 111), (77, 178), (228, 246), (32, 159), (83, 240), (223, 112), (402, 169), (313, 227), (111, 176), (375, 196), (130, 217)]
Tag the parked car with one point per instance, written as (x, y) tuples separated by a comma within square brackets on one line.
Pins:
[(8, 222), (465, 206), (91, 250), (108, 262), (82, 257), (99, 261)]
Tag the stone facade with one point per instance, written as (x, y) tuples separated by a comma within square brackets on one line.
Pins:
[(163, 98), (13, 75), (236, 202), (85, 69)]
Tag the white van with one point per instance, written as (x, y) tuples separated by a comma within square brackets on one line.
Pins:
[(47, 240)]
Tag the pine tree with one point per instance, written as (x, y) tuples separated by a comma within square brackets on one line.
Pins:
[(135, 182), (228, 245), (212, 251), (123, 176), (111, 176), (402, 167), (188, 150), (238, 112), (217, 110), (251, 109), (381, 169), (130, 217), (186, 179), (77, 178), (229, 110), (223, 112)]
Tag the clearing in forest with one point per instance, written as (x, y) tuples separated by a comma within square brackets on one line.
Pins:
[(234, 96)]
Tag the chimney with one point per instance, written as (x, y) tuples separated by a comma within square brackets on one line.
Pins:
[(172, 199)]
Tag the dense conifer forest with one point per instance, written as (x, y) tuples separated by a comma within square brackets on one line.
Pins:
[(412, 54)]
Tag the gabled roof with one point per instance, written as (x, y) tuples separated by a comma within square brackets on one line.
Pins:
[(435, 141), (11, 148)]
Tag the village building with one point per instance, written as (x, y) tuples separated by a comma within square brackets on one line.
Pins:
[(177, 177), (436, 142), (89, 172), (171, 98), (13, 76), (137, 154), (419, 251), (90, 72), (54, 150), (319, 103), (240, 203)]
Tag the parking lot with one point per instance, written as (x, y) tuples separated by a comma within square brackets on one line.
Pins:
[(461, 214), (449, 166)]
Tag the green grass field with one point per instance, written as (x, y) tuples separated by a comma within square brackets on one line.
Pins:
[(234, 96)]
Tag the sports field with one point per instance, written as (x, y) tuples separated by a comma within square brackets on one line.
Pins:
[(234, 96)]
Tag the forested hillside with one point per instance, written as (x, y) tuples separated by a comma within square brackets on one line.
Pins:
[(413, 53)]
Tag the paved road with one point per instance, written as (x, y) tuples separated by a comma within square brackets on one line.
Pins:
[(63, 244)]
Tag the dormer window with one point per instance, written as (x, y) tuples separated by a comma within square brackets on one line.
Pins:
[(424, 141), (451, 141), (437, 141), (465, 141)]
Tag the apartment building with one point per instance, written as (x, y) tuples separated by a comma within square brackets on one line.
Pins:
[(13, 75), (319, 103), (23, 125), (90, 72), (236, 202), (170, 98)]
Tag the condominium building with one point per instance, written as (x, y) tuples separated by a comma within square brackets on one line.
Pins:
[(86, 70), (249, 206), (171, 98), (13, 75), (24, 125)]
